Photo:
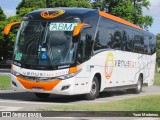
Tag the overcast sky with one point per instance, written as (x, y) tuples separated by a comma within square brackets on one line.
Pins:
[(9, 7)]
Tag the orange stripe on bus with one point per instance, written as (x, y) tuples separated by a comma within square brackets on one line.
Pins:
[(8, 27), (117, 19), (44, 85)]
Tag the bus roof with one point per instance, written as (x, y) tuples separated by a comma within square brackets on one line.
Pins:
[(61, 12), (117, 19), (47, 12)]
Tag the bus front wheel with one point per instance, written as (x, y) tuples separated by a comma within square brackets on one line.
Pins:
[(42, 95), (94, 91)]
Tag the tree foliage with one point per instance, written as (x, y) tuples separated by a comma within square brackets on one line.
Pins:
[(69, 3), (158, 48), (2, 15), (25, 6), (2, 23), (6, 45), (130, 10), (30, 5)]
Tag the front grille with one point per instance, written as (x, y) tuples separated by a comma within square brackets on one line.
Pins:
[(37, 79)]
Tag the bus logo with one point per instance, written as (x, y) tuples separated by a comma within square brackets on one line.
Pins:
[(109, 65), (51, 14)]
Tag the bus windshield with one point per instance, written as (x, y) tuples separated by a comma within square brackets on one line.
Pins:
[(45, 43)]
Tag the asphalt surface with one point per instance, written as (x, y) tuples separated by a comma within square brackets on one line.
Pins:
[(4, 72), (27, 101)]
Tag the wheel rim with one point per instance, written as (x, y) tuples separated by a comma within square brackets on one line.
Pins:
[(93, 88), (139, 85)]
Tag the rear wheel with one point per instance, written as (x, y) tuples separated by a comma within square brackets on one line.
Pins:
[(94, 92), (139, 85), (42, 95)]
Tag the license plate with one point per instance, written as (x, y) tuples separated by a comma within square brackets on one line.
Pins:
[(37, 88)]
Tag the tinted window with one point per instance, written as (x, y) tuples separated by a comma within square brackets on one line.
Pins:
[(138, 42), (117, 36), (152, 45), (146, 44), (116, 39), (84, 47), (103, 36)]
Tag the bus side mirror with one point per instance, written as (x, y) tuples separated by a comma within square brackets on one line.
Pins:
[(9, 26), (77, 30)]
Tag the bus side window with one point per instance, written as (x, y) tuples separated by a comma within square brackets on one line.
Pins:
[(138, 43), (117, 39), (84, 46), (146, 44), (129, 44), (152, 45), (124, 41), (103, 36)]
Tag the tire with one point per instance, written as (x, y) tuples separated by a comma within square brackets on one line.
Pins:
[(42, 95), (139, 86), (94, 92)]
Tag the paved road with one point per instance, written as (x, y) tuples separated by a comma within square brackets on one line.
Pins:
[(4, 72), (25, 101)]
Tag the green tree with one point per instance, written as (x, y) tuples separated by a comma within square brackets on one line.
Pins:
[(69, 3), (30, 4), (25, 6), (2, 19), (130, 10), (158, 48), (142, 21), (2, 15), (2, 23), (7, 42)]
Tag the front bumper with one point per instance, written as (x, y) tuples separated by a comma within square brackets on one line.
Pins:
[(71, 86)]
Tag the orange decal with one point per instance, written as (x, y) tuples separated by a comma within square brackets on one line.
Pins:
[(109, 65), (117, 19), (51, 14), (8, 27), (44, 85), (74, 69), (78, 28)]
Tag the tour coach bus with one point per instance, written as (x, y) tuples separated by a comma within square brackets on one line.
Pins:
[(72, 51)]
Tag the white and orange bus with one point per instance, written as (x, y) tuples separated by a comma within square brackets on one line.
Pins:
[(72, 51)]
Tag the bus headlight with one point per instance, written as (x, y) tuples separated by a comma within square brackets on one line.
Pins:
[(14, 73), (69, 75)]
